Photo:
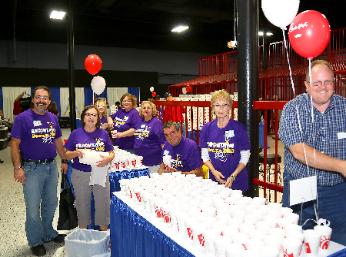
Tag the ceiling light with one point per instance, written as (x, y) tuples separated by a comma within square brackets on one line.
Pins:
[(179, 28), (57, 15), (268, 34)]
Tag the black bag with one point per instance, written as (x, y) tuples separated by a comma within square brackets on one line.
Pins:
[(67, 212)]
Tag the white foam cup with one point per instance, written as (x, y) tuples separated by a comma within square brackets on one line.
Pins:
[(311, 242), (325, 233)]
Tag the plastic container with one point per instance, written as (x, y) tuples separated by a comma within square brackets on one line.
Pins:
[(86, 243)]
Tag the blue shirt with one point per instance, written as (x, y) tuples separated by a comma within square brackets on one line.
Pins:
[(323, 134)]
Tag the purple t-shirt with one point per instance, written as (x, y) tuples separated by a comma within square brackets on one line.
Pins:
[(148, 139), (186, 156), (98, 140), (103, 120), (224, 146), (37, 134), (123, 121)]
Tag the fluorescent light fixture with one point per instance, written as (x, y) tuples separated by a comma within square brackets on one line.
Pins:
[(180, 28), (57, 15), (268, 34)]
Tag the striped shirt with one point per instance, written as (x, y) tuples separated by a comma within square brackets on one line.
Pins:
[(323, 134)]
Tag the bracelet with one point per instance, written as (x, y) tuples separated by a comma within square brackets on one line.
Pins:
[(233, 177)]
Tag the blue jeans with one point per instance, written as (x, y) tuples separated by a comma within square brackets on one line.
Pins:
[(40, 195), (331, 206)]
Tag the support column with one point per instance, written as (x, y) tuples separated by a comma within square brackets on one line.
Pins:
[(248, 77)]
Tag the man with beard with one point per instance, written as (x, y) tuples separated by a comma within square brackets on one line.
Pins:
[(36, 139)]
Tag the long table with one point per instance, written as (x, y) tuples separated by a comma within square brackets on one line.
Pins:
[(133, 235)]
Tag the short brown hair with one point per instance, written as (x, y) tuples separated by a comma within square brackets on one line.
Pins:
[(44, 88), (131, 97), (86, 108)]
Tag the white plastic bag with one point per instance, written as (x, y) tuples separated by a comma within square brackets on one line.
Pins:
[(86, 243)]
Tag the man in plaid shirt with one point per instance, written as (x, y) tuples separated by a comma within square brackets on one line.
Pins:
[(315, 145)]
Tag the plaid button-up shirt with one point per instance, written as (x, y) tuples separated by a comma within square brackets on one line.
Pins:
[(324, 134)]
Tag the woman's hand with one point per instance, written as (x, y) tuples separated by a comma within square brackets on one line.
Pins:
[(104, 161), (230, 181), (79, 153), (219, 177)]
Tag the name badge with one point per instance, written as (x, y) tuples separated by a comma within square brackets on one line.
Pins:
[(303, 190), (341, 135)]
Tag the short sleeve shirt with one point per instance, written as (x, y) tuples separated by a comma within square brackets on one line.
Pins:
[(148, 140), (324, 133), (98, 140), (37, 134), (186, 156), (123, 121), (224, 146)]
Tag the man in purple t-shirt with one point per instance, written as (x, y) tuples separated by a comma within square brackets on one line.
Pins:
[(36, 137), (179, 153)]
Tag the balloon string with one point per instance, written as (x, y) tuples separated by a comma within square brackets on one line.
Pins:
[(289, 64)]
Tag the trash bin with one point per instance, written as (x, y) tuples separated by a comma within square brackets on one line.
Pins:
[(86, 243)]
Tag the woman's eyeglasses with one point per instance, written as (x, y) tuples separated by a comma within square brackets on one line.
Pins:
[(91, 114)]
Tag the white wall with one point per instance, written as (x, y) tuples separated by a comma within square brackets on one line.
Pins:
[(174, 66)]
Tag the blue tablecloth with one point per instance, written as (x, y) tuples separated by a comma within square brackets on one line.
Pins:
[(114, 177), (134, 236)]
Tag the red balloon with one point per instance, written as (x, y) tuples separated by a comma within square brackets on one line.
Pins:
[(93, 64), (153, 94), (309, 33), (188, 89)]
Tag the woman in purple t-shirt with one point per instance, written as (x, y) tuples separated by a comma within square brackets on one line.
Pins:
[(106, 121), (90, 137), (149, 137), (225, 145), (124, 122)]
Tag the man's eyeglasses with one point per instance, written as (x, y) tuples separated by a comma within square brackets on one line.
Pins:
[(320, 83), (38, 97), (91, 114)]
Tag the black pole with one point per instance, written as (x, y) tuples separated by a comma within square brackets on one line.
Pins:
[(248, 78), (70, 56)]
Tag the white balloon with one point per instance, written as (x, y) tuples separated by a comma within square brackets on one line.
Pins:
[(152, 89), (98, 84), (280, 12), (183, 90)]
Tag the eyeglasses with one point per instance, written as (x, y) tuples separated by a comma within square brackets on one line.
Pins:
[(38, 97), (325, 83), (91, 114), (219, 106)]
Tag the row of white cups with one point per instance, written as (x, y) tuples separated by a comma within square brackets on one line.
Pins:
[(125, 160), (222, 222)]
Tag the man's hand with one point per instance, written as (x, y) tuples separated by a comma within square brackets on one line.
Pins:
[(19, 175)]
